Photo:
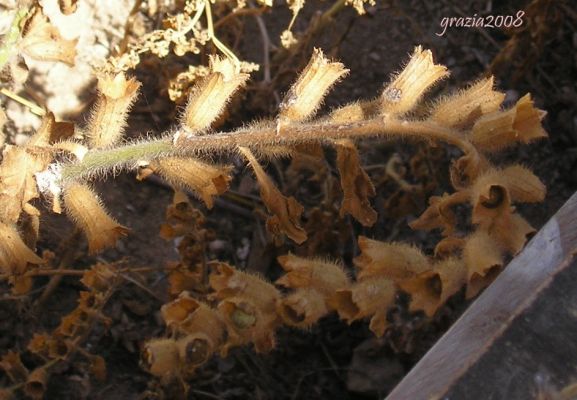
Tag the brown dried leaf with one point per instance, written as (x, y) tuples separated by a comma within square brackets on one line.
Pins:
[(286, 211), (17, 182), (42, 41), (51, 131), (394, 261), (356, 184)]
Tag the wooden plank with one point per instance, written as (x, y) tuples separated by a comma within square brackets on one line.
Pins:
[(518, 333)]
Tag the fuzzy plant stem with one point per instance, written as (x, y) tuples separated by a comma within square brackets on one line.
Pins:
[(127, 156)]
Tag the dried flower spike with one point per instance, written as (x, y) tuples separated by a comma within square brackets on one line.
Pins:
[(85, 209)]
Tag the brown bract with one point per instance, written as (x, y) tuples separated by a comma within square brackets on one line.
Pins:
[(355, 183), (286, 210), (17, 182)]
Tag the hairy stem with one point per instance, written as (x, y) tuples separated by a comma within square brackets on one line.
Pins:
[(102, 161)]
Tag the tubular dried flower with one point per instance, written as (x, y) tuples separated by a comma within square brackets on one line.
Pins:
[(501, 129), (210, 95), (323, 276), (406, 90), (14, 254), (247, 323), (303, 307), (372, 297), (307, 93), (108, 119), (462, 109), (205, 180), (431, 289), (35, 385), (395, 261), (194, 350), (161, 358), (85, 209), (483, 257)]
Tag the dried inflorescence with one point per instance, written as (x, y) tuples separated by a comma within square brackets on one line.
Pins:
[(216, 307)]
